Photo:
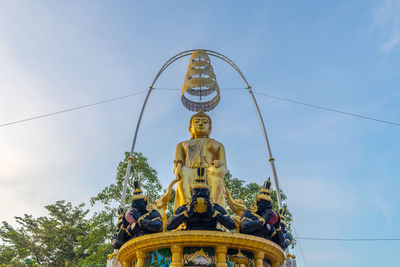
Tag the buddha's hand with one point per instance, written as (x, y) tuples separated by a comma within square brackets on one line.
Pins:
[(178, 171), (218, 163)]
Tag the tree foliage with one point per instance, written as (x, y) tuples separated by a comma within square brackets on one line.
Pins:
[(140, 168), (46, 240), (97, 244), (94, 247)]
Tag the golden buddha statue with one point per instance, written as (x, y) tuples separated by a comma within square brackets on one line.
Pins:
[(200, 151)]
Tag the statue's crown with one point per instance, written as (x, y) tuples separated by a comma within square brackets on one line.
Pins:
[(200, 181), (265, 191), (137, 191)]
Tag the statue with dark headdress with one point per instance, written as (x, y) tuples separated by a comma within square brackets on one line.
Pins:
[(138, 220), (262, 220), (200, 213)]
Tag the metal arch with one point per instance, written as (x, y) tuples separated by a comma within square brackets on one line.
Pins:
[(234, 66)]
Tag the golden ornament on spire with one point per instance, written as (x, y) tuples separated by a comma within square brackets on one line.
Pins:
[(265, 191), (200, 90), (137, 191)]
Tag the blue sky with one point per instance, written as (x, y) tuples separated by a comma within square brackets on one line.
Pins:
[(341, 174)]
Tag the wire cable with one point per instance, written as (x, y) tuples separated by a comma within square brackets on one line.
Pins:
[(300, 103), (328, 109), (71, 109), (301, 249), (348, 239), (225, 89)]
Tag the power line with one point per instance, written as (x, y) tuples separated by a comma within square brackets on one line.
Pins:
[(301, 103), (348, 239), (301, 249), (71, 109), (225, 89), (328, 109)]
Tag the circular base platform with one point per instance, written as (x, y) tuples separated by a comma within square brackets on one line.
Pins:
[(134, 251)]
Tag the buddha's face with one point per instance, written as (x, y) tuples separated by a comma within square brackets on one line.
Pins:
[(200, 127)]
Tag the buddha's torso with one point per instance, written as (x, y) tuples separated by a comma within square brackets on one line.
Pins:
[(201, 152)]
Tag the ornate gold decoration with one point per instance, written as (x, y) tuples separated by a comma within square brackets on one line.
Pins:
[(161, 204), (200, 181), (200, 258), (221, 241), (239, 259), (265, 192), (200, 81), (137, 191), (200, 206), (282, 213), (237, 206)]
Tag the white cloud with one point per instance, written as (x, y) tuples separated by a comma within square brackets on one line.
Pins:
[(387, 21)]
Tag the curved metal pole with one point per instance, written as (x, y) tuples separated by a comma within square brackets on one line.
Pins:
[(130, 158), (271, 159), (233, 65)]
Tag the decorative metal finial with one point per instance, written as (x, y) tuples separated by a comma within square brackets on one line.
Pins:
[(200, 90)]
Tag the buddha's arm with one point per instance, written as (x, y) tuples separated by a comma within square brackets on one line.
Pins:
[(179, 160), (221, 155)]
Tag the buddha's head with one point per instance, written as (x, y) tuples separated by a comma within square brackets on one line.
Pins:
[(200, 125)]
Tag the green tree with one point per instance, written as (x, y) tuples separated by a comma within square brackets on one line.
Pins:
[(95, 246), (140, 168), (46, 240)]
